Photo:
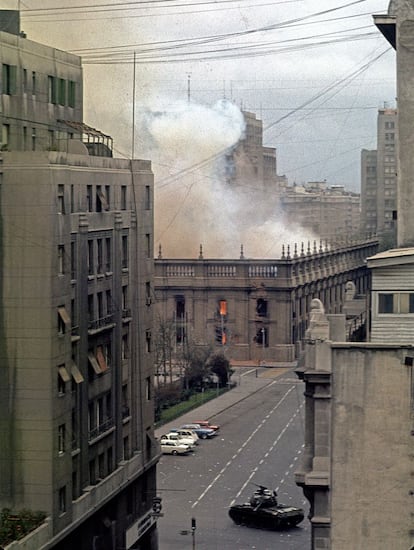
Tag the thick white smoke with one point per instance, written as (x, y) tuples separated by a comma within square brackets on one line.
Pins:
[(194, 201)]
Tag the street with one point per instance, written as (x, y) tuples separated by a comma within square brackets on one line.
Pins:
[(260, 441)]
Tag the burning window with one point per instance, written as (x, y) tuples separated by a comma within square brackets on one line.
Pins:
[(222, 308), (221, 335)]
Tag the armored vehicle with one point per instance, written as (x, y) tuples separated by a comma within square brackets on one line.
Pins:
[(264, 511)]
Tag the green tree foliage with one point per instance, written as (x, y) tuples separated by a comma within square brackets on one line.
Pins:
[(196, 368), (16, 525), (164, 349), (219, 365)]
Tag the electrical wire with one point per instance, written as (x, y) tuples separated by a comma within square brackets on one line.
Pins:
[(32, 18), (195, 40), (152, 3)]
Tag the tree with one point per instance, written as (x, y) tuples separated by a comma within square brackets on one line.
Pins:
[(195, 357), (163, 349), (220, 366)]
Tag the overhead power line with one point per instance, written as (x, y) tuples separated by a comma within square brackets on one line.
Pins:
[(338, 83), (127, 6), (221, 54)]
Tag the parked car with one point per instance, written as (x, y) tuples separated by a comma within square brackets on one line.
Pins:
[(174, 447), (203, 433), (178, 438), (188, 434), (206, 424)]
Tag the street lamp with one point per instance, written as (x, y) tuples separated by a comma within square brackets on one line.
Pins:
[(263, 331)]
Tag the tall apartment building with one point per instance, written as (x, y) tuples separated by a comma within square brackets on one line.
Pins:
[(251, 164), (76, 272), (379, 178), (325, 212)]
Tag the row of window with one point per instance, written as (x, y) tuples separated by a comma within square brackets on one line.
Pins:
[(98, 198), (29, 142), (100, 255), (60, 91), (100, 311), (99, 259), (396, 302)]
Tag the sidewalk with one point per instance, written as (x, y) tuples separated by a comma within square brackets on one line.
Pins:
[(246, 385)]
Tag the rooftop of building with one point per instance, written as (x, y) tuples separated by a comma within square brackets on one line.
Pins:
[(392, 256)]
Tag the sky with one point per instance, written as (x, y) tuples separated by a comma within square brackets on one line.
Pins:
[(315, 72)]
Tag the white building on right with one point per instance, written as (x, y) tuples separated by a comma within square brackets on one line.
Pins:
[(358, 470)]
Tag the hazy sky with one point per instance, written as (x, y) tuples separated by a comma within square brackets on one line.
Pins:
[(315, 71)]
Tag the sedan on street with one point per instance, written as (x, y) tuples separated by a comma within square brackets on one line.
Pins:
[(172, 436), (203, 433), (174, 448)]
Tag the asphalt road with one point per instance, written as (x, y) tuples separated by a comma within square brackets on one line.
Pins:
[(260, 441)]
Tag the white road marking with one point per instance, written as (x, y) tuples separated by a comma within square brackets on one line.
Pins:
[(219, 475)]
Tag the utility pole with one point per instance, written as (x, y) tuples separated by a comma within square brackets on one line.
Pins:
[(189, 87), (133, 109)]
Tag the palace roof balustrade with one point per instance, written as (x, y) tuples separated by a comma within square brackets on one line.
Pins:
[(294, 268)]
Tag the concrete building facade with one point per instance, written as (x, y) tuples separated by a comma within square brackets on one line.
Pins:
[(253, 165), (76, 279), (357, 462), (257, 309), (379, 178), (40, 88), (357, 471), (327, 212)]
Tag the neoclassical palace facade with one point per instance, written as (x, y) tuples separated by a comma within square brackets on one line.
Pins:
[(257, 309)]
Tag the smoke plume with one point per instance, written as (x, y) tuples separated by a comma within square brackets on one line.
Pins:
[(195, 204)]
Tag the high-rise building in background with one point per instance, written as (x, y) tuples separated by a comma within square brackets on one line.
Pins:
[(251, 164), (357, 467), (379, 179), (327, 212), (76, 285)]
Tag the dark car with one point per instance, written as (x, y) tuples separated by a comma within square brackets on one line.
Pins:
[(206, 424), (203, 433)]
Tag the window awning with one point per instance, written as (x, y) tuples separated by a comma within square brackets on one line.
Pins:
[(101, 359), (76, 373), (94, 363), (63, 373), (63, 314)]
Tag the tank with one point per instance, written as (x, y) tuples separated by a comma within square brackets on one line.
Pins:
[(264, 511)]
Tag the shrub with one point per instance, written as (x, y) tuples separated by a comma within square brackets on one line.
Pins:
[(16, 525)]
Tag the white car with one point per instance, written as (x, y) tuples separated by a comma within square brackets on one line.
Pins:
[(188, 434), (172, 436), (173, 448)]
